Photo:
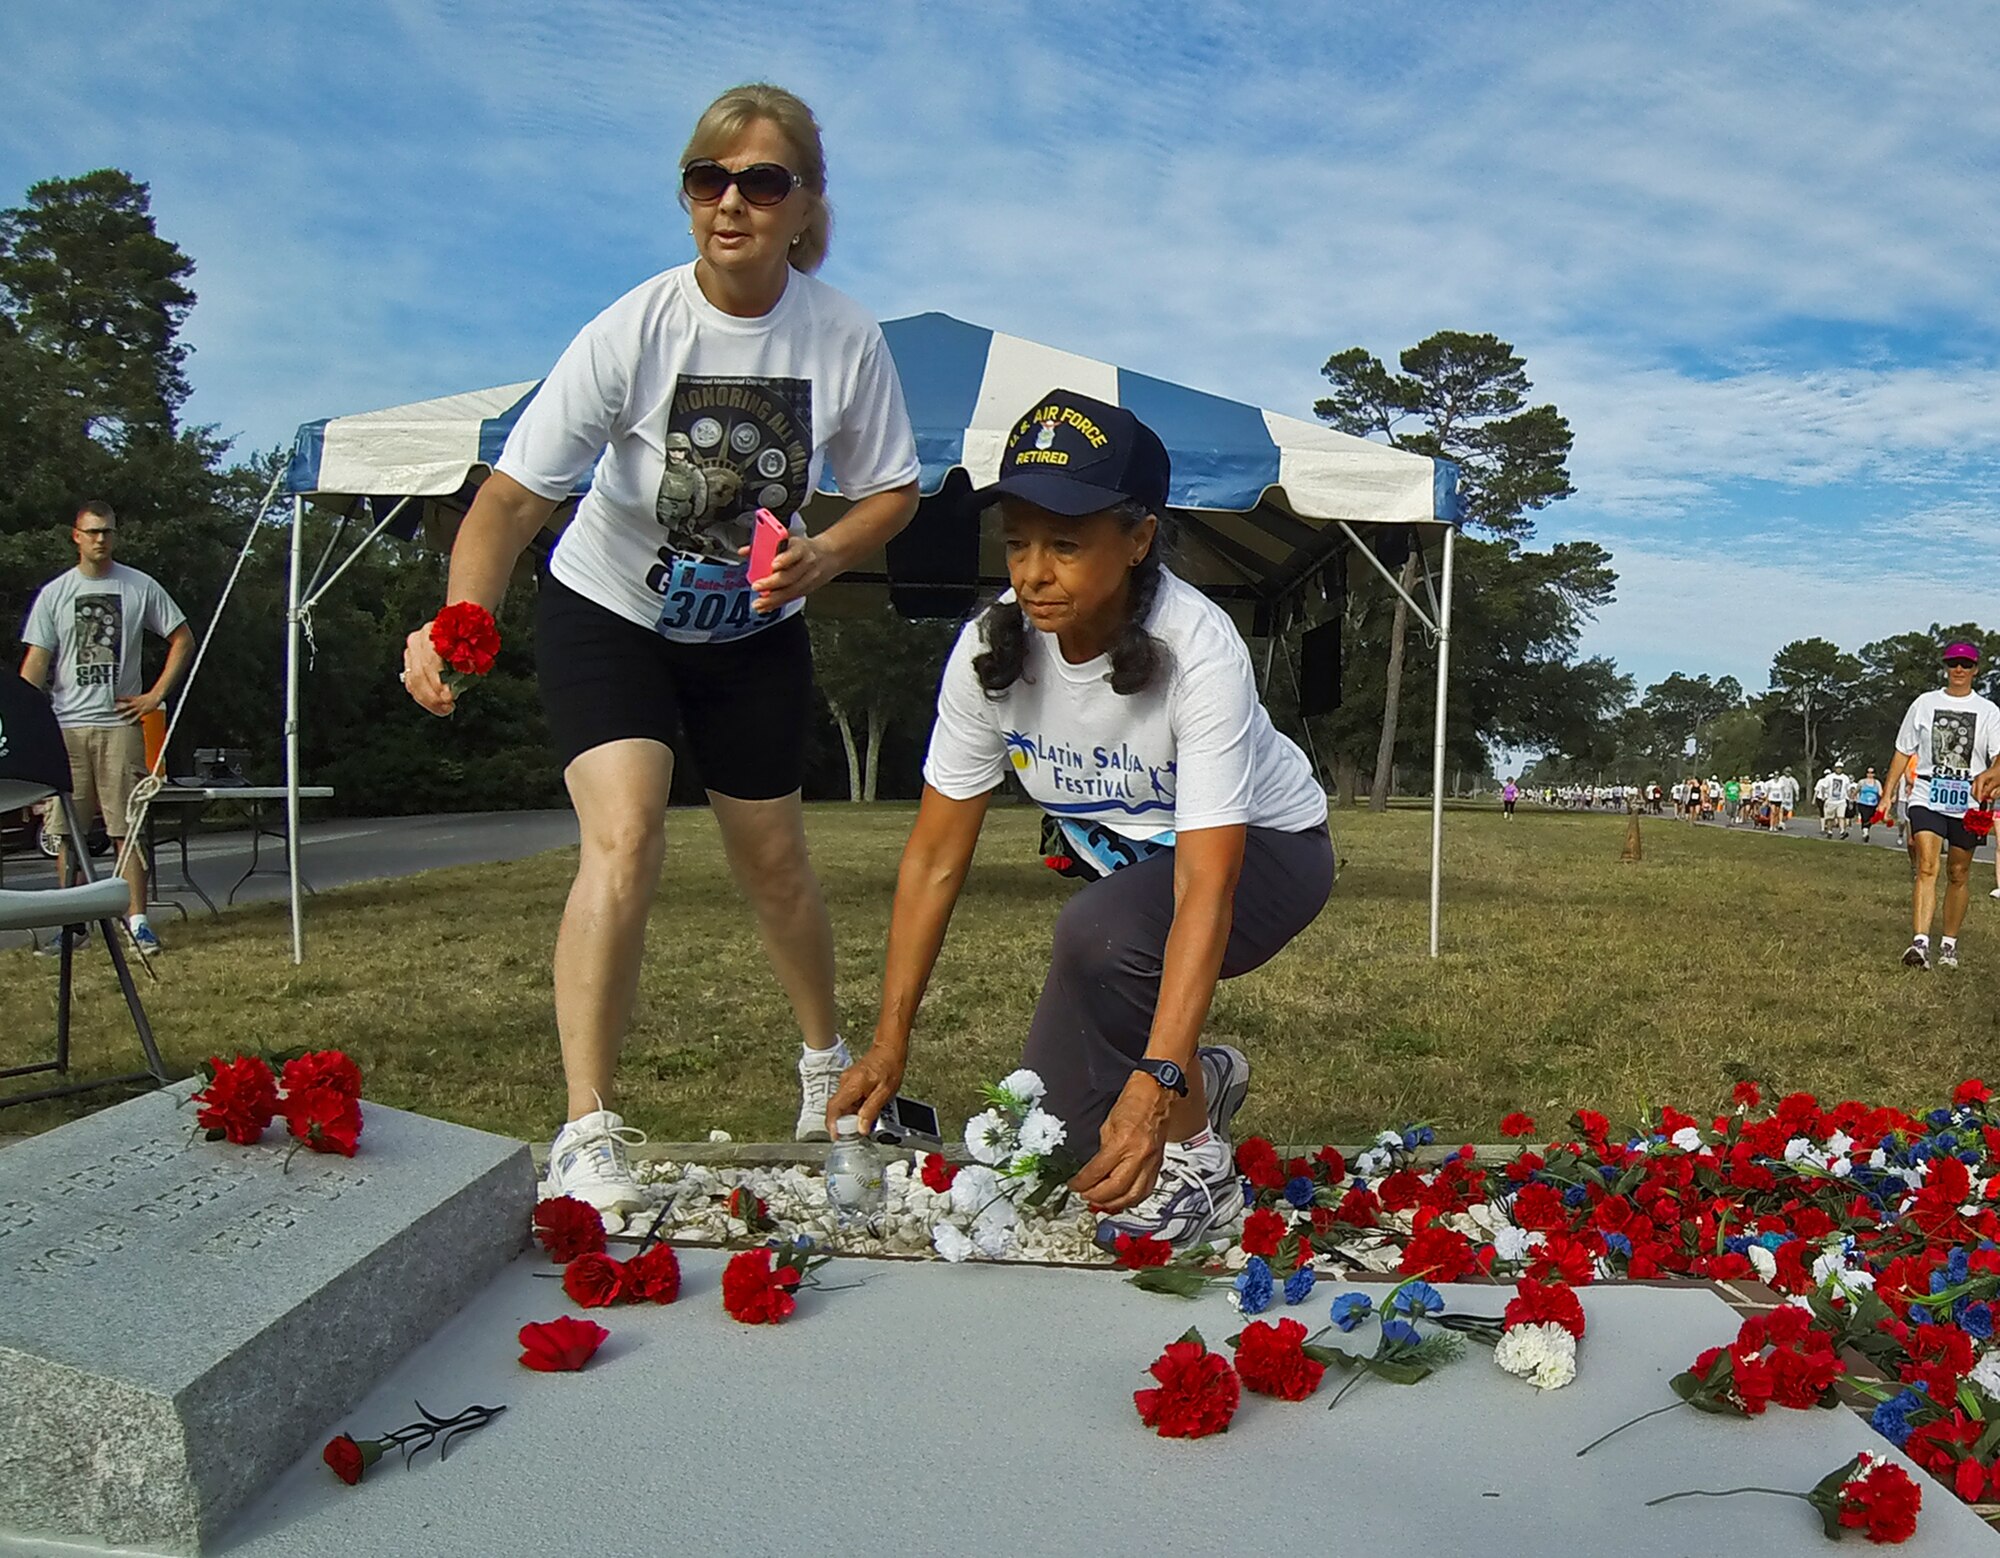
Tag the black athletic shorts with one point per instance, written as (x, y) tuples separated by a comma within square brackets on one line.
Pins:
[(1951, 829), (738, 710)]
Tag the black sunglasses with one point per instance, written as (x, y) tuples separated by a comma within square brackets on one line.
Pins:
[(762, 183)]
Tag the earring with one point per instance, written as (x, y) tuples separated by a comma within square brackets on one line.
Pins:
[(795, 239)]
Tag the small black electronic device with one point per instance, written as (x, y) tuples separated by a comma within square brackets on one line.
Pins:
[(220, 765), (908, 1120)]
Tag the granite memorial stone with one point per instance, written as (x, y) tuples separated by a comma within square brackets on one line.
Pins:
[(178, 1318)]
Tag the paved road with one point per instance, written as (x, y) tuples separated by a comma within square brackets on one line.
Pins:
[(331, 854)]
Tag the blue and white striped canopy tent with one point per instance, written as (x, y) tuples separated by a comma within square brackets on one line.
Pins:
[(1262, 501)]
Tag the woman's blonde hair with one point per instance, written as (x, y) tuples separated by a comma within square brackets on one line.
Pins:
[(723, 122)]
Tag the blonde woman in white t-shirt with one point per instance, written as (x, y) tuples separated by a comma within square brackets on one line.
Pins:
[(710, 391), (1123, 701)]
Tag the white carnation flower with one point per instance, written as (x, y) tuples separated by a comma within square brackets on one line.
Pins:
[(1000, 1213), (1389, 1139), (993, 1242), (1511, 1243), (1543, 1354), (1024, 1085), (973, 1188), (1764, 1262), (988, 1137), (1986, 1373), (1839, 1144), (951, 1244), (1041, 1132), (719, 1136), (1687, 1138)]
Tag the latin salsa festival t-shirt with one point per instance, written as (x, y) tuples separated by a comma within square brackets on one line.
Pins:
[(1951, 739), (703, 418)]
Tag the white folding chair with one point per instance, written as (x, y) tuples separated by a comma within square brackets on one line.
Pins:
[(34, 766)]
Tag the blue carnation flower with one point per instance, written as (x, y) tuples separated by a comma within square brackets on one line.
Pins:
[(1938, 1119), (1249, 1193), (1618, 1243), (1299, 1285), (1939, 1281), (1736, 1243), (1891, 1418), (1919, 1315), (1921, 1151), (1350, 1309), (1299, 1191), (1958, 1266), (1253, 1287), (1977, 1321), (1400, 1331), (1575, 1195), (1417, 1298)]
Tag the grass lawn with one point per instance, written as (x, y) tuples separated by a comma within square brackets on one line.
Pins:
[(1569, 979)]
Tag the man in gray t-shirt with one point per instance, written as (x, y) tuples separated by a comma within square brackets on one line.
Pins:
[(84, 635)]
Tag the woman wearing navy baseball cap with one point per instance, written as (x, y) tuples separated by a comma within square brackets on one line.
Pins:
[(1123, 701)]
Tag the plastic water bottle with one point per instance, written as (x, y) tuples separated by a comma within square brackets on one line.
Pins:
[(855, 1186)]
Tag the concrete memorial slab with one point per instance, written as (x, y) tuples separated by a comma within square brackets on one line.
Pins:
[(180, 1318), (934, 1409)]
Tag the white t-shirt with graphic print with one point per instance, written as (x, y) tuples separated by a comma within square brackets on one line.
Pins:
[(92, 629), (1951, 739), (702, 418), (1197, 749)]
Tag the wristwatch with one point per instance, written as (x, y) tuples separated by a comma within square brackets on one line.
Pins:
[(1166, 1073)]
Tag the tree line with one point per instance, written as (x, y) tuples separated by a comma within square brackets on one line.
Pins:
[(93, 386)]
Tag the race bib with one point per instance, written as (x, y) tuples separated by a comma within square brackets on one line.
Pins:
[(708, 603), (1104, 851), (1950, 794)]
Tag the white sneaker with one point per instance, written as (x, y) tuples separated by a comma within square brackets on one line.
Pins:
[(1198, 1191), (588, 1160), (1947, 955), (1995, 893), (819, 1076)]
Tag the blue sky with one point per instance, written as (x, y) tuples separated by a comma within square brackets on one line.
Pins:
[(1751, 250)]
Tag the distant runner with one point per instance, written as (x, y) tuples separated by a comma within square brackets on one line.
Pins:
[(1510, 792), (1869, 794)]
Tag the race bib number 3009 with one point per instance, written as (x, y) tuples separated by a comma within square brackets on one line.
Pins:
[(1950, 794)]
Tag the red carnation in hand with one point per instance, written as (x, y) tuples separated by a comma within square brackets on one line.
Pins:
[(1517, 1124), (569, 1227), (466, 638), (1882, 1501), (1270, 1359), (1536, 1302), (1979, 821), (938, 1172), (755, 1294), (323, 1068), (1136, 1252), (324, 1119), (594, 1281), (1197, 1394), (1257, 1161), (240, 1100), (1262, 1230), (562, 1345), (655, 1276)]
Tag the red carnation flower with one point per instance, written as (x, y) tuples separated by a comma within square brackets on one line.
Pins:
[(1563, 1258), (755, 1294), (568, 1227), (240, 1100), (350, 1460), (1747, 1094), (594, 1281), (1262, 1230), (1882, 1501), (1270, 1359), (1437, 1254), (1257, 1161), (561, 1345), (655, 1276), (1536, 1302), (323, 1068), (1517, 1124), (1971, 1091), (1137, 1252), (1334, 1162), (324, 1119), (938, 1172), (1197, 1394), (466, 637)]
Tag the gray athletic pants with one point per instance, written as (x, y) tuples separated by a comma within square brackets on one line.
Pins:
[(1096, 1011)]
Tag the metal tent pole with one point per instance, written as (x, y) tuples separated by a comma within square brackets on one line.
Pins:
[(292, 728), (1437, 741)]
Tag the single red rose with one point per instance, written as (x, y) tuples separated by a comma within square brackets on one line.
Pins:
[(939, 1172), (1270, 1360), (1883, 1501), (594, 1281), (1262, 1230), (1747, 1095), (654, 1277), (568, 1227), (1517, 1124), (323, 1068), (1197, 1394), (561, 1345), (1257, 1161), (350, 1460), (1971, 1091), (1136, 1253), (466, 637), (755, 1294), (240, 1099), (1534, 1303), (324, 1119)]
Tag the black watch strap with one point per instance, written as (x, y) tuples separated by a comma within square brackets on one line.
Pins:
[(1167, 1074)]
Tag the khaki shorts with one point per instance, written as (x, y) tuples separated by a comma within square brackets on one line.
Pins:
[(105, 762)]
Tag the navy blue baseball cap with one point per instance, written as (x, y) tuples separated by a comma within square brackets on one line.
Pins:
[(1074, 455)]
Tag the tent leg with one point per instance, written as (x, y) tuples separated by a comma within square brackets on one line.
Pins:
[(292, 729), (1437, 741)]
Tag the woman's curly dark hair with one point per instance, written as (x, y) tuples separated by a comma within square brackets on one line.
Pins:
[(1137, 658)]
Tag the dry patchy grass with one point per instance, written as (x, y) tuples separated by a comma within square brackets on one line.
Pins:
[(1569, 979)]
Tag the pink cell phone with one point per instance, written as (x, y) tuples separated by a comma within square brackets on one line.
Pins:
[(767, 539)]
